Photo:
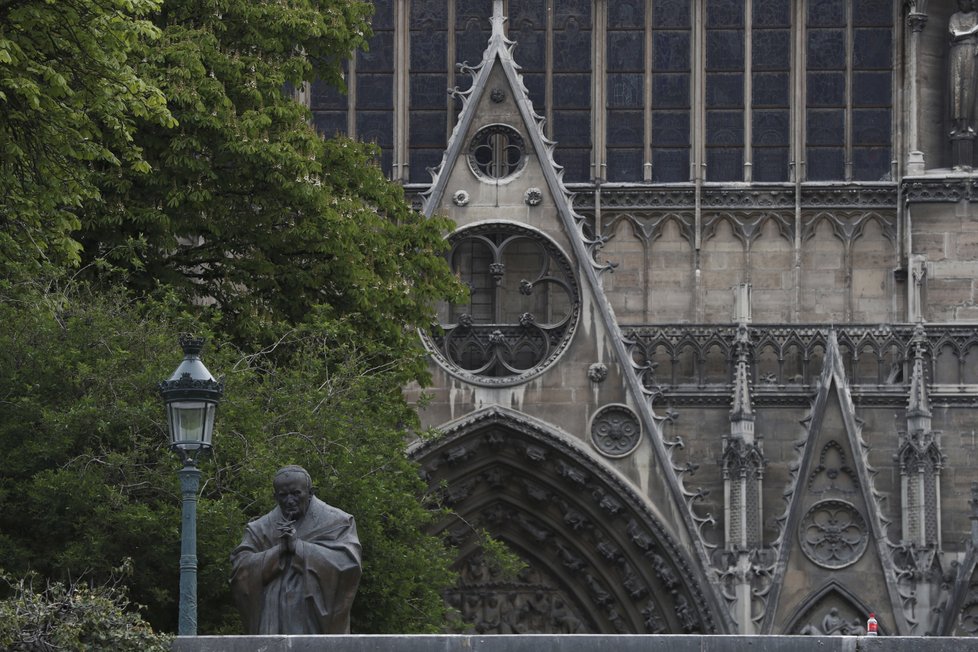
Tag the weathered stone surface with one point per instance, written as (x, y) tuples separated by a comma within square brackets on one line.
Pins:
[(571, 643)]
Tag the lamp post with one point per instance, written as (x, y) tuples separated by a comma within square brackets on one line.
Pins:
[(191, 396)]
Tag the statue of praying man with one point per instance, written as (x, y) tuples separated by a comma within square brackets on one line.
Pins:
[(298, 567)]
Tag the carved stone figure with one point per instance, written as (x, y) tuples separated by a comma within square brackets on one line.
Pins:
[(297, 568), (963, 31)]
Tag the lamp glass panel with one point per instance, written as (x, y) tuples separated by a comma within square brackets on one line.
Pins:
[(191, 422)]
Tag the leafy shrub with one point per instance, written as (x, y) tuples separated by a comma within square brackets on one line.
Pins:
[(74, 617)]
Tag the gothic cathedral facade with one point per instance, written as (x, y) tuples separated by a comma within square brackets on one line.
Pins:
[(718, 369)]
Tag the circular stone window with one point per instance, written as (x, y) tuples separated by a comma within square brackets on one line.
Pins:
[(523, 305), (615, 430), (833, 534), (496, 152)]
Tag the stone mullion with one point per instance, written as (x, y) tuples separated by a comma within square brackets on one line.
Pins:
[(647, 103), (748, 85), (798, 167), (847, 172), (599, 104), (402, 72), (452, 83)]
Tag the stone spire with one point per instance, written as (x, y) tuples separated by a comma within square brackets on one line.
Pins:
[(742, 409), (918, 407), (921, 460), (743, 460)]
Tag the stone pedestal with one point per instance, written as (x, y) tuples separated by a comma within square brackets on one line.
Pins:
[(962, 151)]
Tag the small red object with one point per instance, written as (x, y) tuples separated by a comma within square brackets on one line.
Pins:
[(871, 626)]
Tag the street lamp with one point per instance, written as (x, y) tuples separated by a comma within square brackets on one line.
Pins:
[(191, 396)]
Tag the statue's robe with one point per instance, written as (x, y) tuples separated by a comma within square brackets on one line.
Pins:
[(309, 592)]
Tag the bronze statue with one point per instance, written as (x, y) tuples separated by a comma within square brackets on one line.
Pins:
[(963, 30), (298, 567)]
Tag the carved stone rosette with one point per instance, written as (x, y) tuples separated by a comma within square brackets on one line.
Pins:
[(833, 534), (615, 430)]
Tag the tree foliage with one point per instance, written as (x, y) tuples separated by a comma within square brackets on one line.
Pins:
[(74, 617), (87, 482), (70, 97), (126, 219), (247, 204)]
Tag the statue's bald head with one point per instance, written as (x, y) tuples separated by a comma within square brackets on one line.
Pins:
[(293, 469), (293, 491)]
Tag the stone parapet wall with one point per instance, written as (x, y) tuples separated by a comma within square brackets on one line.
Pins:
[(570, 643)]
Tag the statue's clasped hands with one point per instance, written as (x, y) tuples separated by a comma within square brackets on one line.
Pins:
[(287, 532)]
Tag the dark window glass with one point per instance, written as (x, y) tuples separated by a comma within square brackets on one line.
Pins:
[(826, 13), (421, 160), (872, 48), (427, 129), (379, 56), (626, 129), (375, 91), (626, 51), (871, 163), (870, 127), (572, 87), (724, 128), (724, 13), (826, 127), (825, 164), (771, 49), (771, 127), (670, 165), (626, 14), (330, 123), (572, 48), (670, 129), (670, 51), (725, 163), (531, 45), (725, 49), (771, 13), (472, 30), (383, 17), (872, 88), (531, 10), (325, 96), (572, 129), (826, 49), (670, 90), (770, 164), (625, 164), (625, 90), (572, 91), (429, 50), (770, 89), (826, 88), (872, 12), (428, 91), (724, 90), (376, 127), (670, 14)]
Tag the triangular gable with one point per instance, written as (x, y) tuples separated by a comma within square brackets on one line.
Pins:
[(498, 56), (856, 479)]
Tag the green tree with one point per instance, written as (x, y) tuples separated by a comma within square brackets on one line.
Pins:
[(248, 205), (301, 260), (70, 96), (86, 480)]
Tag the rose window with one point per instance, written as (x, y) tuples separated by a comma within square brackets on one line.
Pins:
[(522, 307)]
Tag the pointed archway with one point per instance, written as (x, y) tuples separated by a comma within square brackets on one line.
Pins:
[(599, 559)]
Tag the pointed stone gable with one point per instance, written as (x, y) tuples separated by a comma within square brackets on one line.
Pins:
[(833, 527)]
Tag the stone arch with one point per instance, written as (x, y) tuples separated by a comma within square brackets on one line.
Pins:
[(591, 542), (809, 616)]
